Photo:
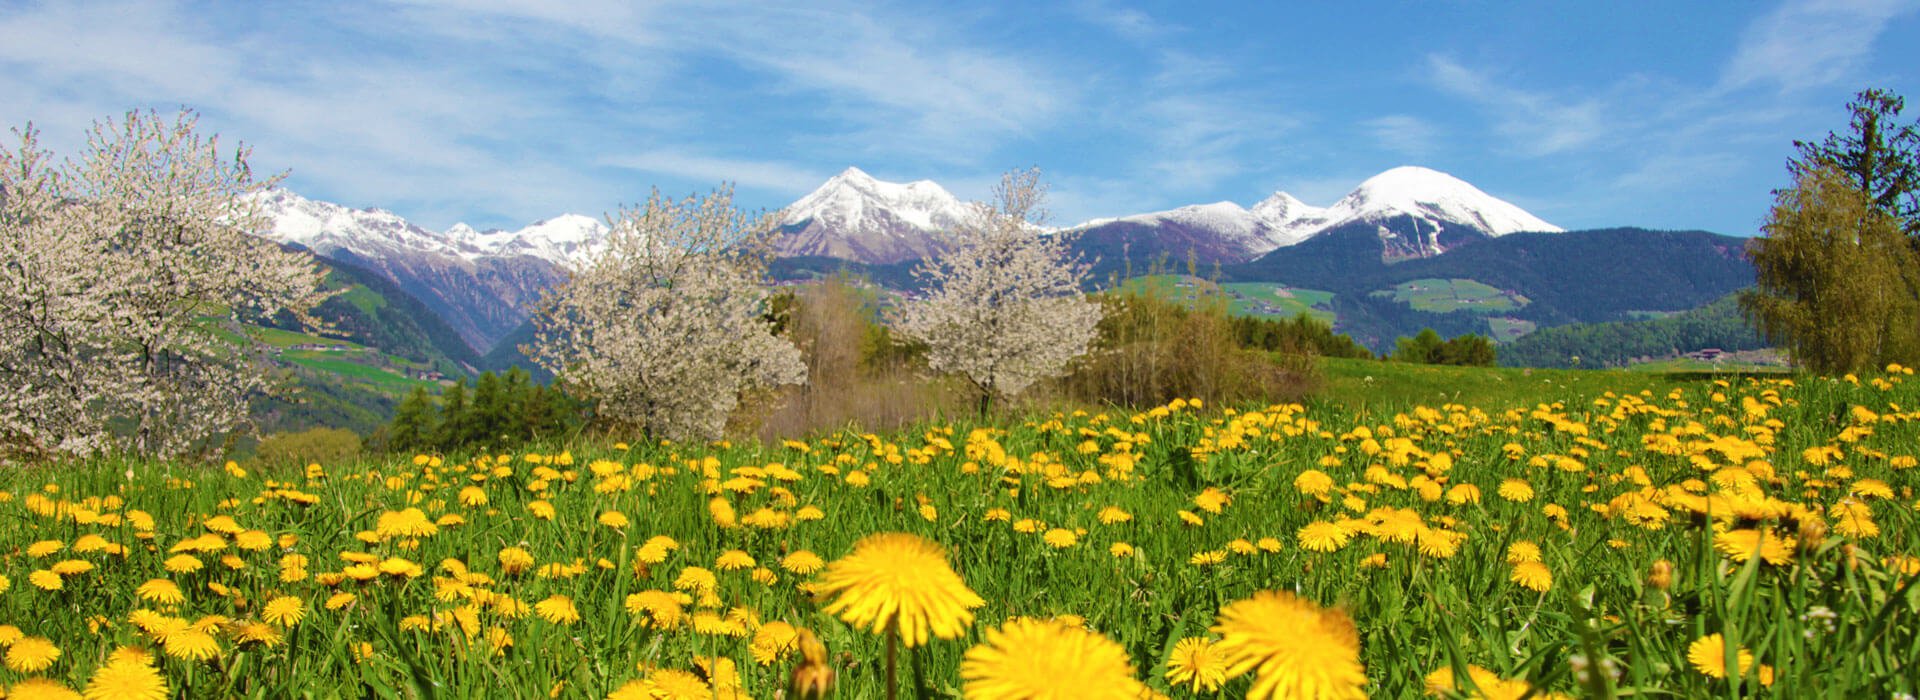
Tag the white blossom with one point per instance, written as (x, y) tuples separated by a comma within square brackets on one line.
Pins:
[(1003, 305), (663, 329), (116, 269)]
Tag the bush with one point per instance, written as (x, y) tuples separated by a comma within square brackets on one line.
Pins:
[(1152, 350)]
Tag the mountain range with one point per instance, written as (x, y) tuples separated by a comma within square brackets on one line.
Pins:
[(485, 284)]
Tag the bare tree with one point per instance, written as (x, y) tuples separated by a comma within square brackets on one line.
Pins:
[(1003, 305), (664, 328), (115, 270)]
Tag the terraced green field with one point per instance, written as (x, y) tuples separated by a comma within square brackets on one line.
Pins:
[(1441, 296)]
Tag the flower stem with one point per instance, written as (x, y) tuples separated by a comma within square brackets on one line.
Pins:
[(893, 639)]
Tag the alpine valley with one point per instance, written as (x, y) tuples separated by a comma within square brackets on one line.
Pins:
[(1407, 249)]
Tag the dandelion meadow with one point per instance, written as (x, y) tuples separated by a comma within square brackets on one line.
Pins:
[(1749, 537)]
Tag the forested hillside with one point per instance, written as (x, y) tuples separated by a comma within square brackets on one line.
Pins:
[(1617, 343)]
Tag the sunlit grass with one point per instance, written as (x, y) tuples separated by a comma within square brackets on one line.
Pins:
[(1660, 514)]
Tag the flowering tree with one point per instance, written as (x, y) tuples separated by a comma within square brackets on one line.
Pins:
[(114, 271), (664, 329), (1003, 306)]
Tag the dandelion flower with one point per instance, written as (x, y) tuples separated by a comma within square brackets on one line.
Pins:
[(1060, 538), (1709, 656), (1120, 550), (191, 644), (1197, 664), (127, 679), (1740, 545), (183, 564), (900, 580), (1212, 500), (558, 609), (160, 591), (773, 642), (514, 560), (1298, 649), (614, 519), (32, 654), (1027, 658), (675, 684), (46, 580), (1323, 536), (1522, 551), (734, 560), (802, 562), (1533, 576), (41, 689), (284, 611), (1313, 482)]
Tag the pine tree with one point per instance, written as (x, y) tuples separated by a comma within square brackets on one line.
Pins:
[(454, 417), (1836, 285), (490, 411), (1880, 156), (414, 423)]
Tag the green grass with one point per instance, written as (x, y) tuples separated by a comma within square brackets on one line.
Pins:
[(1507, 329), (1427, 496), (1279, 301), (1683, 364), (1441, 296), (1379, 386), (357, 370)]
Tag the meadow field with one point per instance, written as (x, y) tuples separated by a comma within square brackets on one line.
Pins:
[(1485, 533)]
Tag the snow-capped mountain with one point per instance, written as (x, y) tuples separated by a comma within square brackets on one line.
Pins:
[(856, 217), (483, 283), (1416, 212), (326, 228)]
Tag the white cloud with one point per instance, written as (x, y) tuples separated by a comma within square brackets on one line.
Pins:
[(1403, 134), (784, 178), (1535, 123), (1810, 43)]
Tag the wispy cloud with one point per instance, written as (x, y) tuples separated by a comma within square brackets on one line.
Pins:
[(785, 178), (1810, 43), (1536, 123), (1402, 134)]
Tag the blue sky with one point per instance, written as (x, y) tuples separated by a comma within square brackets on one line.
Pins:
[(501, 112)]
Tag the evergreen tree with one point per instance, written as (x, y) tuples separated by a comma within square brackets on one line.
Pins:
[(1878, 155), (1837, 286), (491, 412), (518, 388), (414, 423), (454, 417)]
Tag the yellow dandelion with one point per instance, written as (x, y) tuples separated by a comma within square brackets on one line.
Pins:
[(45, 580), (41, 689), (127, 679), (1516, 490), (802, 562), (1114, 515), (1740, 545), (1208, 557), (340, 600), (191, 644), (1322, 536), (900, 581), (160, 591), (183, 564), (1533, 576), (1120, 550), (1212, 500), (614, 519), (72, 567), (734, 560), (1197, 664), (32, 654), (558, 609), (285, 611), (1060, 538), (1313, 482), (1522, 551), (1709, 656), (663, 609), (1297, 649), (1028, 658), (773, 642), (675, 684), (514, 560)]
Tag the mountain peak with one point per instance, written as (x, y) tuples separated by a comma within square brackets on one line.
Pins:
[(855, 216), (1436, 197)]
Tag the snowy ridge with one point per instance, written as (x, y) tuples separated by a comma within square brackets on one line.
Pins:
[(857, 217), (1428, 200), (328, 229)]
